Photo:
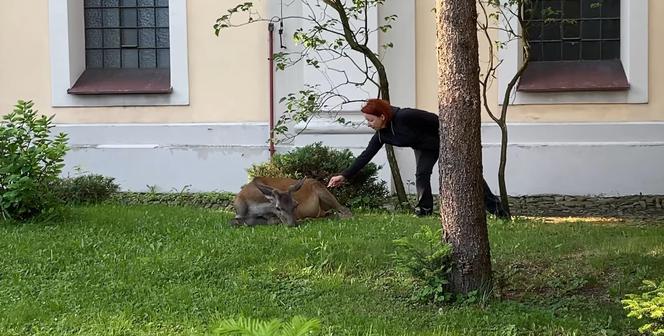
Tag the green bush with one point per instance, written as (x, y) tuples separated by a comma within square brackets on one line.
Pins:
[(85, 189), (648, 306), (30, 162), (316, 161), (427, 260)]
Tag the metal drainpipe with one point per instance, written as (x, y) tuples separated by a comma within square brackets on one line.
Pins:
[(270, 28)]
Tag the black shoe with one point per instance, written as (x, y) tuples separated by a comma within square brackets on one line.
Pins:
[(423, 212), (496, 208)]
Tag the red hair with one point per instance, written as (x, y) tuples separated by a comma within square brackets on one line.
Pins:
[(378, 107)]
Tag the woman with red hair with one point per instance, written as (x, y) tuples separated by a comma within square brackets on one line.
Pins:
[(408, 127)]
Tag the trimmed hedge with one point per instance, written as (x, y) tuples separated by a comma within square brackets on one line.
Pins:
[(210, 200)]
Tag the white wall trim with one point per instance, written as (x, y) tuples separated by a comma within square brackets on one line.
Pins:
[(67, 54), (634, 57), (558, 158)]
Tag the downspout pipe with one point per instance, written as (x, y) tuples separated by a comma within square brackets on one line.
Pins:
[(270, 28)]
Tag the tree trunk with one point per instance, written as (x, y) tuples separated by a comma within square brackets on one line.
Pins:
[(338, 6), (389, 150), (461, 207)]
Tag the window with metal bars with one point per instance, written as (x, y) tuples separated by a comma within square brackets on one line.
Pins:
[(126, 34), (573, 30)]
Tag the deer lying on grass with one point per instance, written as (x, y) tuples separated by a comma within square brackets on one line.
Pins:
[(270, 200)]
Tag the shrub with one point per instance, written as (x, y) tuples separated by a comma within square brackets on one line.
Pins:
[(427, 260), (211, 200), (85, 189), (648, 306), (30, 162), (321, 162)]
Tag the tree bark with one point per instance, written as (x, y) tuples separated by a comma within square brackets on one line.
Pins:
[(461, 207), (389, 150)]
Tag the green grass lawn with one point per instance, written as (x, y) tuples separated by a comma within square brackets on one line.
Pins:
[(151, 270)]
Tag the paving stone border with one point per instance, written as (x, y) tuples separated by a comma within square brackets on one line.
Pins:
[(564, 205)]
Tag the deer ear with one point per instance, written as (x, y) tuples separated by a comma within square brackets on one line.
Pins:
[(267, 191), (297, 185)]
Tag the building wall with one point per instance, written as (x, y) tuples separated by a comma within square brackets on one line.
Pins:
[(577, 149), (228, 75), (610, 149), (653, 111)]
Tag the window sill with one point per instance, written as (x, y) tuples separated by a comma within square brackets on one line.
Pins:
[(574, 76), (122, 81)]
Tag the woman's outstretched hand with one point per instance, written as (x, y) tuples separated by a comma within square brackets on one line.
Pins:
[(336, 181)]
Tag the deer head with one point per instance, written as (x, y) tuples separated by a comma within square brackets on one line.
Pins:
[(283, 201)]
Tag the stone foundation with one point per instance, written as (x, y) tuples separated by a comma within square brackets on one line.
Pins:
[(561, 205)]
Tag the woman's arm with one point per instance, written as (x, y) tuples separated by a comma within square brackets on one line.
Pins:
[(364, 158)]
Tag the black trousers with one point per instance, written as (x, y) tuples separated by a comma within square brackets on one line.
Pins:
[(425, 160)]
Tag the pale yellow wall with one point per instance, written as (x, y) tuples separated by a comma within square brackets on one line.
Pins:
[(653, 111), (228, 76)]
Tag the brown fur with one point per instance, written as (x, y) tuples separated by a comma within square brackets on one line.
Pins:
[(313, 200)]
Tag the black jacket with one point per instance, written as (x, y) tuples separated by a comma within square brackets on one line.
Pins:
[(408, 128)]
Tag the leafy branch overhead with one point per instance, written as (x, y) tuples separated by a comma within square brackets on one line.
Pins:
[(329, 34)]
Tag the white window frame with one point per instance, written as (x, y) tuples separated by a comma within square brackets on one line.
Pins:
[(633, 55), (67, 53)]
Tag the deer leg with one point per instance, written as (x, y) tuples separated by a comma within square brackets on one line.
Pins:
[(329, 202), (241, 210), (253, 221)]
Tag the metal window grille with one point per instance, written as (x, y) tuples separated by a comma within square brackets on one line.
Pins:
[(560, 30), (126, 34)]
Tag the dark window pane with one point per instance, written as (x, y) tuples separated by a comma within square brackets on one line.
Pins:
[(93, 18), (93, 38), (551, 51), (572, 9), (112, 58), (551, 9), (591, 8), (536, 51), (610, 49), (162, 38), (533, 10), (111, 17), (590, 29), (551, 31), (534, 30), (146, 17), (92, 3), (129, 17), (112, 38), (571, 30), (162, 17), (590, 50), (163, 58), (124, 33), (571, 51), (611, 8), (611, 29), (129, 38), (130, 58), (147, 58), (146, 38), (93, 59), (110, 3)]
